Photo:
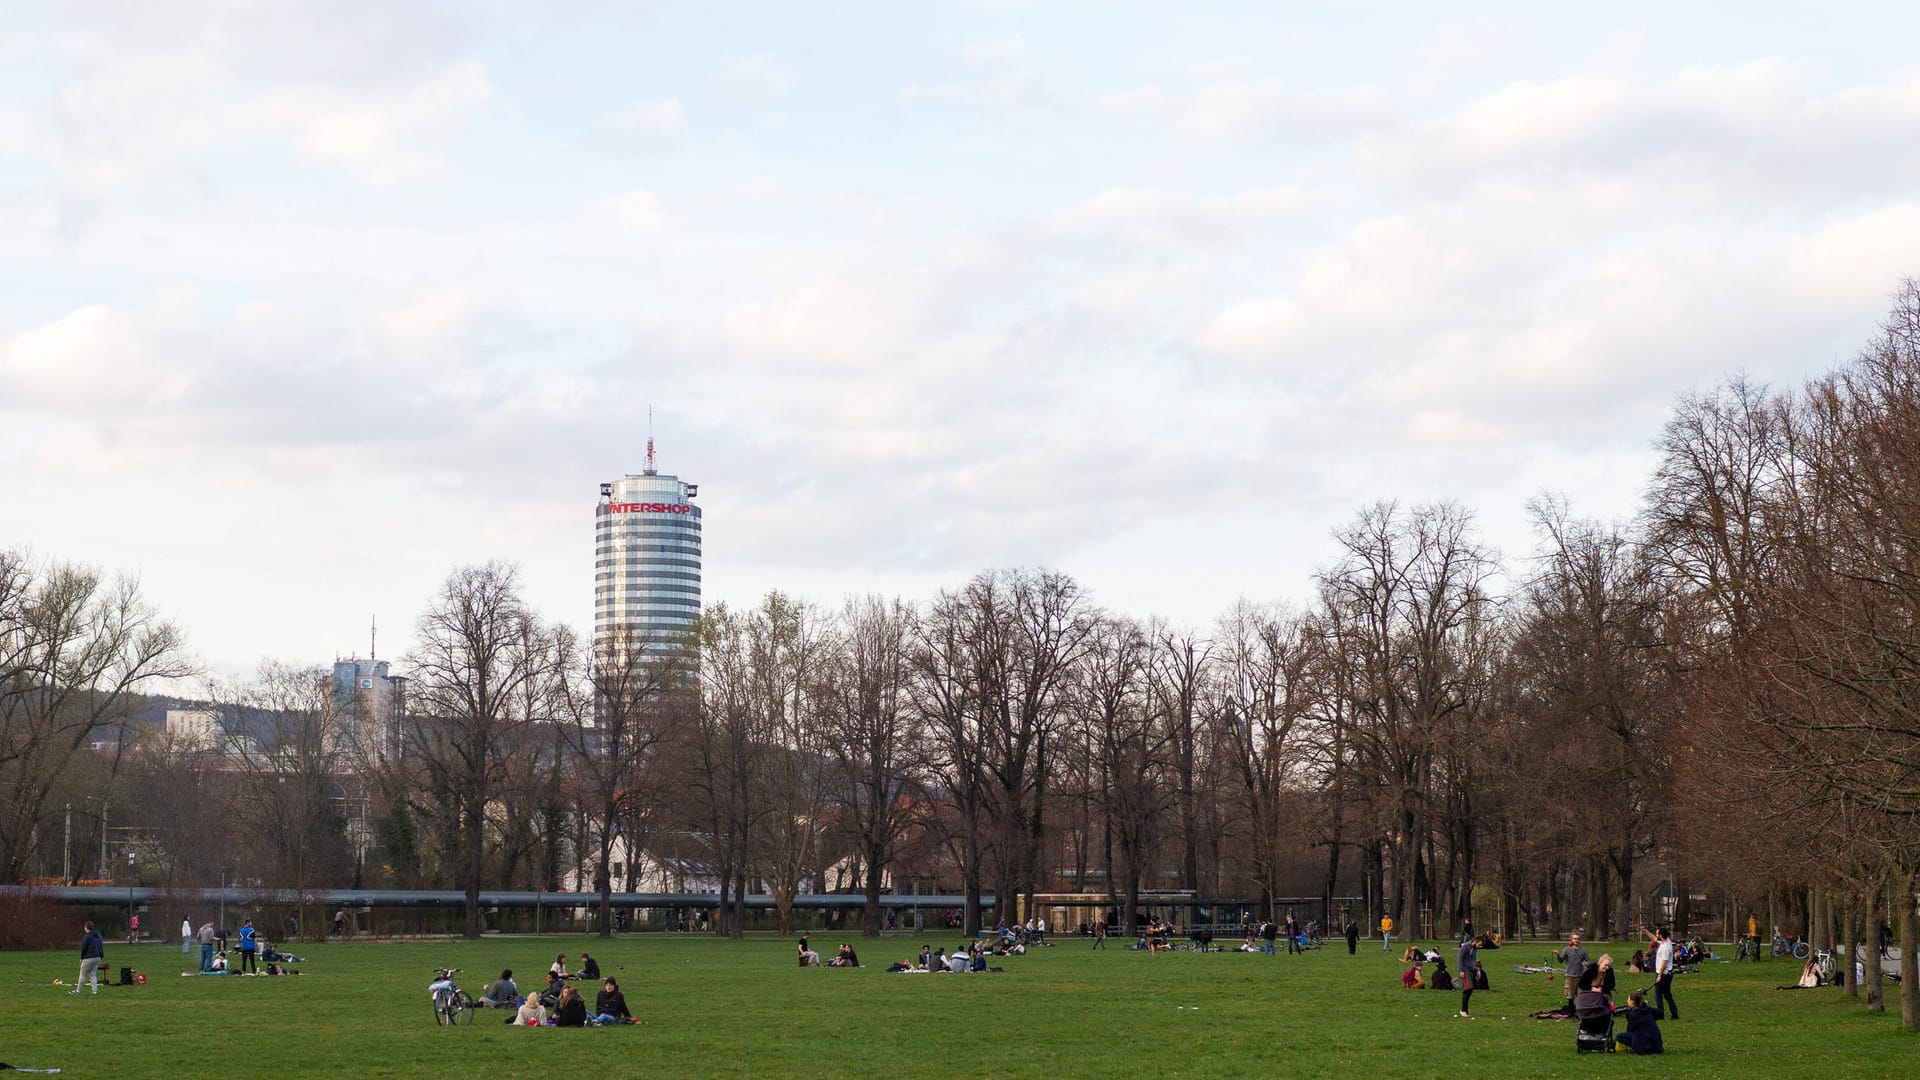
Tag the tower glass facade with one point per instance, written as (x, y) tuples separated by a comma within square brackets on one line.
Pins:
[(646, 560)]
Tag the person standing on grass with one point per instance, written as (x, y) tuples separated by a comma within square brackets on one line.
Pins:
[(1386, 933), (133, 928), (1469, 967), (206, 946), (1353, 935), (1664, 1007), (93, 953), (1293, 934), (1100, 933), (1575, 958), (186, 935), (249, 949)]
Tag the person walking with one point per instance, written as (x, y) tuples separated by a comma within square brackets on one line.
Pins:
[(93, 953), (1386, 933), (186, 935), (1099, 933), (1575, 959), (133, 929), (1469, 969), (1353, 935), (1664, 1007), (206, 946), (249, 949)]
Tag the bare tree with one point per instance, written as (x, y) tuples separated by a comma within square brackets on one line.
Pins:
[(617, 715), (1404, 604), (74, 649), (483, 670), (871, 731)]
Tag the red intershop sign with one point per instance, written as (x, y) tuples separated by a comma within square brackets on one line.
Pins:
[(649, 508)]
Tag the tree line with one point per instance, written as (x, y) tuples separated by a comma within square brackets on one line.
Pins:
[(1719, 696)]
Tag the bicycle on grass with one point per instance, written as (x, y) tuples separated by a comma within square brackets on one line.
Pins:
[(1786, 946), (452, 1006)]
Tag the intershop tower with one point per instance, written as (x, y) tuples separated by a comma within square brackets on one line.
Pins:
[(646, 580)]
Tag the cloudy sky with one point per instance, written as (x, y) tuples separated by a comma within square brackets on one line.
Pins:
[(304, 304)]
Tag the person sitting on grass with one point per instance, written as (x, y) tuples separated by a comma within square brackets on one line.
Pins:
[(1637, 964), (1809, 977), (589, 969), (559, 967), (1411, 979), (845, 957), (572, 1011), (1643, 1032), (1442, 978), (809, 958), (531, 1014), (219, 962), (503, 994), (610, 1005), (926, 958), (957, 962), (939, 960), (550, 993)]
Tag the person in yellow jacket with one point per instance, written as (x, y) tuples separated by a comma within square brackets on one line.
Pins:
[(1386, 933)]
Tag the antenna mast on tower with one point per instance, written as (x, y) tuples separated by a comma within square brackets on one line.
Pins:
[(650, 470), (373, 637)]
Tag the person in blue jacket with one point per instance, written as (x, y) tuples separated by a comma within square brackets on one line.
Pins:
[(249, 949), (1643, 1034)]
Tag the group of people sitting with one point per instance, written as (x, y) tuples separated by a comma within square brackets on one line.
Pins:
[(1414, 978), (845, 957), (972, 958), (559, 1003)]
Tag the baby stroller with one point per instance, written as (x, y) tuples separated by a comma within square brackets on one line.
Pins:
[(1595, 1014)]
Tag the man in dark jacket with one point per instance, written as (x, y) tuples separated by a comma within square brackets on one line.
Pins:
[(1353, 935), (610, 1006), (93, 953)]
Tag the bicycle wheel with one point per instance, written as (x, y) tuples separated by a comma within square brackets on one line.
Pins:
[(1800, 950), (439, 1014), (1779, 947), (461, 1009)]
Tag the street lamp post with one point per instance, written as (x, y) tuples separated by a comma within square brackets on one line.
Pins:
[(130, 915)]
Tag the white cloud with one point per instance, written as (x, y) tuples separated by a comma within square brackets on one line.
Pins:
[(1158, 218), (638, 210), (994, 51), (379, 139), (1237, 110), (758, 74), (648, 122)]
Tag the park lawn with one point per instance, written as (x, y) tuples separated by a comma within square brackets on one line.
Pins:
[(720, 1008)]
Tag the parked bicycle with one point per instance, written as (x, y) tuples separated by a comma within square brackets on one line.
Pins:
[(451, 1005), (1823, 963), (1794, 947)]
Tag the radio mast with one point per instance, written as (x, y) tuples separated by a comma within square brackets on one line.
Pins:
[(650, 469)]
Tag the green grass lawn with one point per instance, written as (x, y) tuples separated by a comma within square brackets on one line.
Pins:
[(715, 1008)]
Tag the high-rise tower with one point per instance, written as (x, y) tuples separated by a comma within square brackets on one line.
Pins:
[(646, 578)]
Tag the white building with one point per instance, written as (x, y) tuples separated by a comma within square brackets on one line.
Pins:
[(646, 558)]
